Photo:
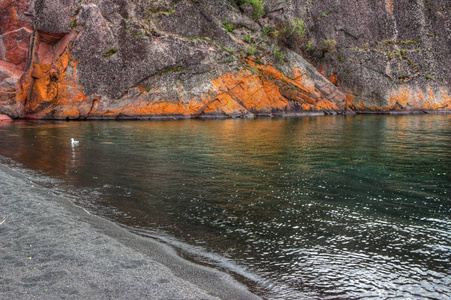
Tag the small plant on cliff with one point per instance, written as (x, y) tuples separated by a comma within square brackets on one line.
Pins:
[(162, 12), (278, 55), (77, 11), (170, 69), (289, 34), (257, 5), (297, 26), (231, 50), (309, 45), (228, 26), (293, 29), (266, 30), (251, 50), (410, 42), (330, 45), (429, 77), (110, 52), (259, 8), (254, 69), (73, 24)]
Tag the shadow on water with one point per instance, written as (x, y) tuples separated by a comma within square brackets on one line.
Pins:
[(329, 207)]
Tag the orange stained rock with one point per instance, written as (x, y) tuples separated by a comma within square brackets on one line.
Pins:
[(272, 93), (306, 107), (55, 92), (411, 98), (241, 92), (257, 90), (447, 100), (390, 6), (68, 88), (400, 99), (431, 101), (40, 70), (224, 104), (152, 109), (298, 75), (350, 100), (299, 79), (361, 104), (333, 79), (232, 93), (52, 89), (275, 74), (169, 108), (253, 92), (45, 87), (268, 89), (326, 105)]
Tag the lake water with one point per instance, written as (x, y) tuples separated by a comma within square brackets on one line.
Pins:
[(326, 207)]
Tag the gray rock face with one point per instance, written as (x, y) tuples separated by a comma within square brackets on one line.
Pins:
[(140, 59), (384, 54)]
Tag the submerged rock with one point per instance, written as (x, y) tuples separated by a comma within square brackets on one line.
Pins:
[(98, 59)]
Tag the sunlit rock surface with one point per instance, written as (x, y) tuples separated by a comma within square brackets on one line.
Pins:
[(97, 59), (5, 118)]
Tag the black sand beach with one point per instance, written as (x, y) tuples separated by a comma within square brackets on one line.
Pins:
[(52, 249)]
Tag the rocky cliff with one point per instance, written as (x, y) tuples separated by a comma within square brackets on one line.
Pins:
[(81, 59)]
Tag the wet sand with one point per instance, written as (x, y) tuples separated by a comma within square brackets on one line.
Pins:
[(52, 249)]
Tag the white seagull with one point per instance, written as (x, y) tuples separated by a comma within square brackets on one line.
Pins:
[(74, 142)]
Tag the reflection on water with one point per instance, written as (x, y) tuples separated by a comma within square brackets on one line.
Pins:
[(330, 207)]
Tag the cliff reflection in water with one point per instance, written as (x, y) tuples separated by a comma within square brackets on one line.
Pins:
[(318, 207)]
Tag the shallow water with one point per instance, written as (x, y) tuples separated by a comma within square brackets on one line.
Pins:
[(328, 207)]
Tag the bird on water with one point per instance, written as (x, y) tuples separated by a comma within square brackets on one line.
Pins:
[(74, 142)]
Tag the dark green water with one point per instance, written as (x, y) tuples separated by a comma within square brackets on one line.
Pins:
[(328, 207)]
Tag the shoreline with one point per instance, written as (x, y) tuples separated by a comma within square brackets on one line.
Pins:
[(51, 248), (256, 116)]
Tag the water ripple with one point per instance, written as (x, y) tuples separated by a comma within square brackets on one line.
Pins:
[(313, 208)]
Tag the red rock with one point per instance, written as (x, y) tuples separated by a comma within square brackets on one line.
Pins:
[(5, 118)]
